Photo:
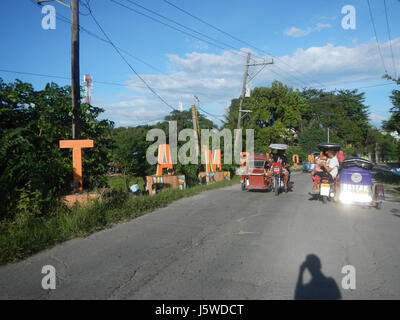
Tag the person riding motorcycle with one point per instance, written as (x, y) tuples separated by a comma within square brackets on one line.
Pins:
[(280, 157), (319, 159), (330, 170)]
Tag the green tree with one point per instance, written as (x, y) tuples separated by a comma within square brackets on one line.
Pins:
[(129, 151), (310, 138), (388, 149), (31, 162), (393, 124)]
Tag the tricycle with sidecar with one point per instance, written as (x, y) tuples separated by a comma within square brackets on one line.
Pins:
[(355, 185), (254, 177)]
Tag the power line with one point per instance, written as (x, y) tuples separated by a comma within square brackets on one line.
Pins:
[(376, 37), (147, 121), (176, 29), (283, 71), (166, 24), (64, 19), (210, 25), (130, 66), (183, 26), (252, 76), (390, 38), (212, 116), (92, 34), (35, 74), (86, 4), (94, 81), (216, 116), (240, 40), (162, 89), (59, 77)]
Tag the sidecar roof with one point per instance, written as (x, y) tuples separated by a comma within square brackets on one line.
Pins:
[(279, 146), (329, 146)]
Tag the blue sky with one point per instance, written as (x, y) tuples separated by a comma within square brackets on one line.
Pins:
[(306, 37)]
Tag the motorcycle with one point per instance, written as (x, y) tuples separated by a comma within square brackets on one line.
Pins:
[(278, 178), (327, 185), (326, 189)]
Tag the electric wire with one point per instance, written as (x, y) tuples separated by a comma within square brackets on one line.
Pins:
[(240, 40), (64, 19), (129, 65), (183, 26), (174, 28), (376, 36), (390, 39), (124, 85)]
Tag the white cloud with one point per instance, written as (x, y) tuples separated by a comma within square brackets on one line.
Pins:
[(135, 111), (296, 32), (332, 18), (376, 119), (217, 78), (321, 26), (332, 61)]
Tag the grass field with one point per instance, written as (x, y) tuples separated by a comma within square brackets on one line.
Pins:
[(29, 234)]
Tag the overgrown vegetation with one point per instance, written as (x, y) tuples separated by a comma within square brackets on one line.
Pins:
[(32, 166)]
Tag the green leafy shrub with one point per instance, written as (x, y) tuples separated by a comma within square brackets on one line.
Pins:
[(31, 125)]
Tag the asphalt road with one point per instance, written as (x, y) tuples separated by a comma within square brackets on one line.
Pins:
[(225, 244)]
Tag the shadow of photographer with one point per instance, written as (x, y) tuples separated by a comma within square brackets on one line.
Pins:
[(320, 287)]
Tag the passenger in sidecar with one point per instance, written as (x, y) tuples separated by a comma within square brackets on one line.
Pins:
[(329, 172)]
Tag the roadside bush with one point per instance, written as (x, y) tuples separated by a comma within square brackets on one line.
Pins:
[(34, 171)]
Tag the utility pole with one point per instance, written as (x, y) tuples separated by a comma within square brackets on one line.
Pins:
[(75, 81), (76, 94), (328, 134), (244, 85), (195, 119), (246, 73)]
